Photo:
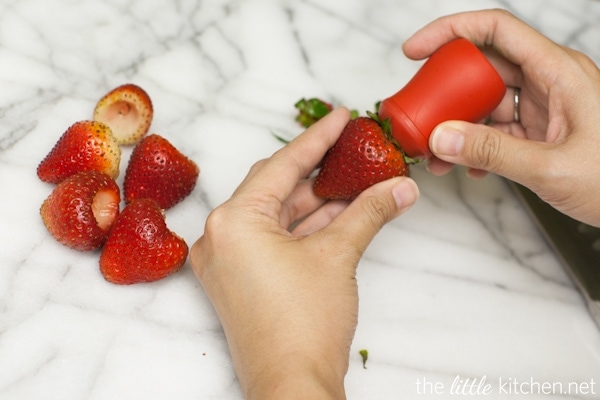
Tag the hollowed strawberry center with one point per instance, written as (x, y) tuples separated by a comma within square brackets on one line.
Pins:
[(122, 117), (105, 208)]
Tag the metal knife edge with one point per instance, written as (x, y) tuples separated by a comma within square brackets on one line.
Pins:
[(540, 213)]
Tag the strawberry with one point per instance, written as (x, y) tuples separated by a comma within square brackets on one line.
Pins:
[(363, 155), (158, 170), (140, 247), (81, 209), (128, 111), (85, 146)]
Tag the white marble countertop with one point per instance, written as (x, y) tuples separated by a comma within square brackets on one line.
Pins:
[(461, 287)]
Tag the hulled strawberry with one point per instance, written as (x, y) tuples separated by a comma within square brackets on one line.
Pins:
[(127, 110), (363, 155), (159, 171), (85, 146), (81, 210), (140, 247)]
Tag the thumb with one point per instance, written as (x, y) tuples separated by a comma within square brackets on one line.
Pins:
[(371, 210), (486, 148)]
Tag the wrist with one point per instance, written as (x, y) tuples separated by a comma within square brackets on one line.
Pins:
[(277, 357), (294, 376)]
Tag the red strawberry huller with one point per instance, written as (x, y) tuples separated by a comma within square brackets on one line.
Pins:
[(457, 82)]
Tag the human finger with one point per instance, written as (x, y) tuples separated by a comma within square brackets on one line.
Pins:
[(486, 148), (510, 107), (438, 167), (356, 226), (511, 73), (475, 173), (300, 203), (507, 34), (320, 218), (278, 175)]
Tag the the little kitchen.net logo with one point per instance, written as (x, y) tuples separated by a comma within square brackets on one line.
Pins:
[(483, 386)]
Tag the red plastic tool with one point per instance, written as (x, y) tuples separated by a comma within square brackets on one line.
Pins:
[(457, 82)]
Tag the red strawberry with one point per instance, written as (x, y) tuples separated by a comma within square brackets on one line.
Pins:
[(140, 247), (81, 210), (363, 155), (158, 170), (85, 146), (128, 111)]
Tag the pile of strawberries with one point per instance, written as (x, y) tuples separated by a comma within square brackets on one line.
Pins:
[(84, 209)]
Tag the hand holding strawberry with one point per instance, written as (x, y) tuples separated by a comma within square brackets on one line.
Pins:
[(270, 261), (364, 155)]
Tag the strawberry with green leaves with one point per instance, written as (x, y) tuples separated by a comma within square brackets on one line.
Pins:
[(84, 146), (127, 110), (363, 155), (81, 210), (159, 171), (140, 247)]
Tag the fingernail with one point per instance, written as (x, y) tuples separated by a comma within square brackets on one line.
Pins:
[(405, 193), (447, 141)]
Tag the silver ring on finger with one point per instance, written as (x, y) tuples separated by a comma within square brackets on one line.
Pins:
[(517, 101)]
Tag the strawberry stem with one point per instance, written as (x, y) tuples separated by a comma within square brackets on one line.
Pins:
[(311, 110), (386, 126), (364, 354), (280, 138)]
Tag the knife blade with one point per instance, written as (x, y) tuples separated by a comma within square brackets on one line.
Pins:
[(577, 245)]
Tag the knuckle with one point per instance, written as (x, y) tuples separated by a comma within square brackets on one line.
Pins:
[(584, 61), (218, 222), (257, 166), (588, 64), (217, 233), (502, 12), (485, 151), (582, 58), (552, 179), (196, 257), (377, 211)]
